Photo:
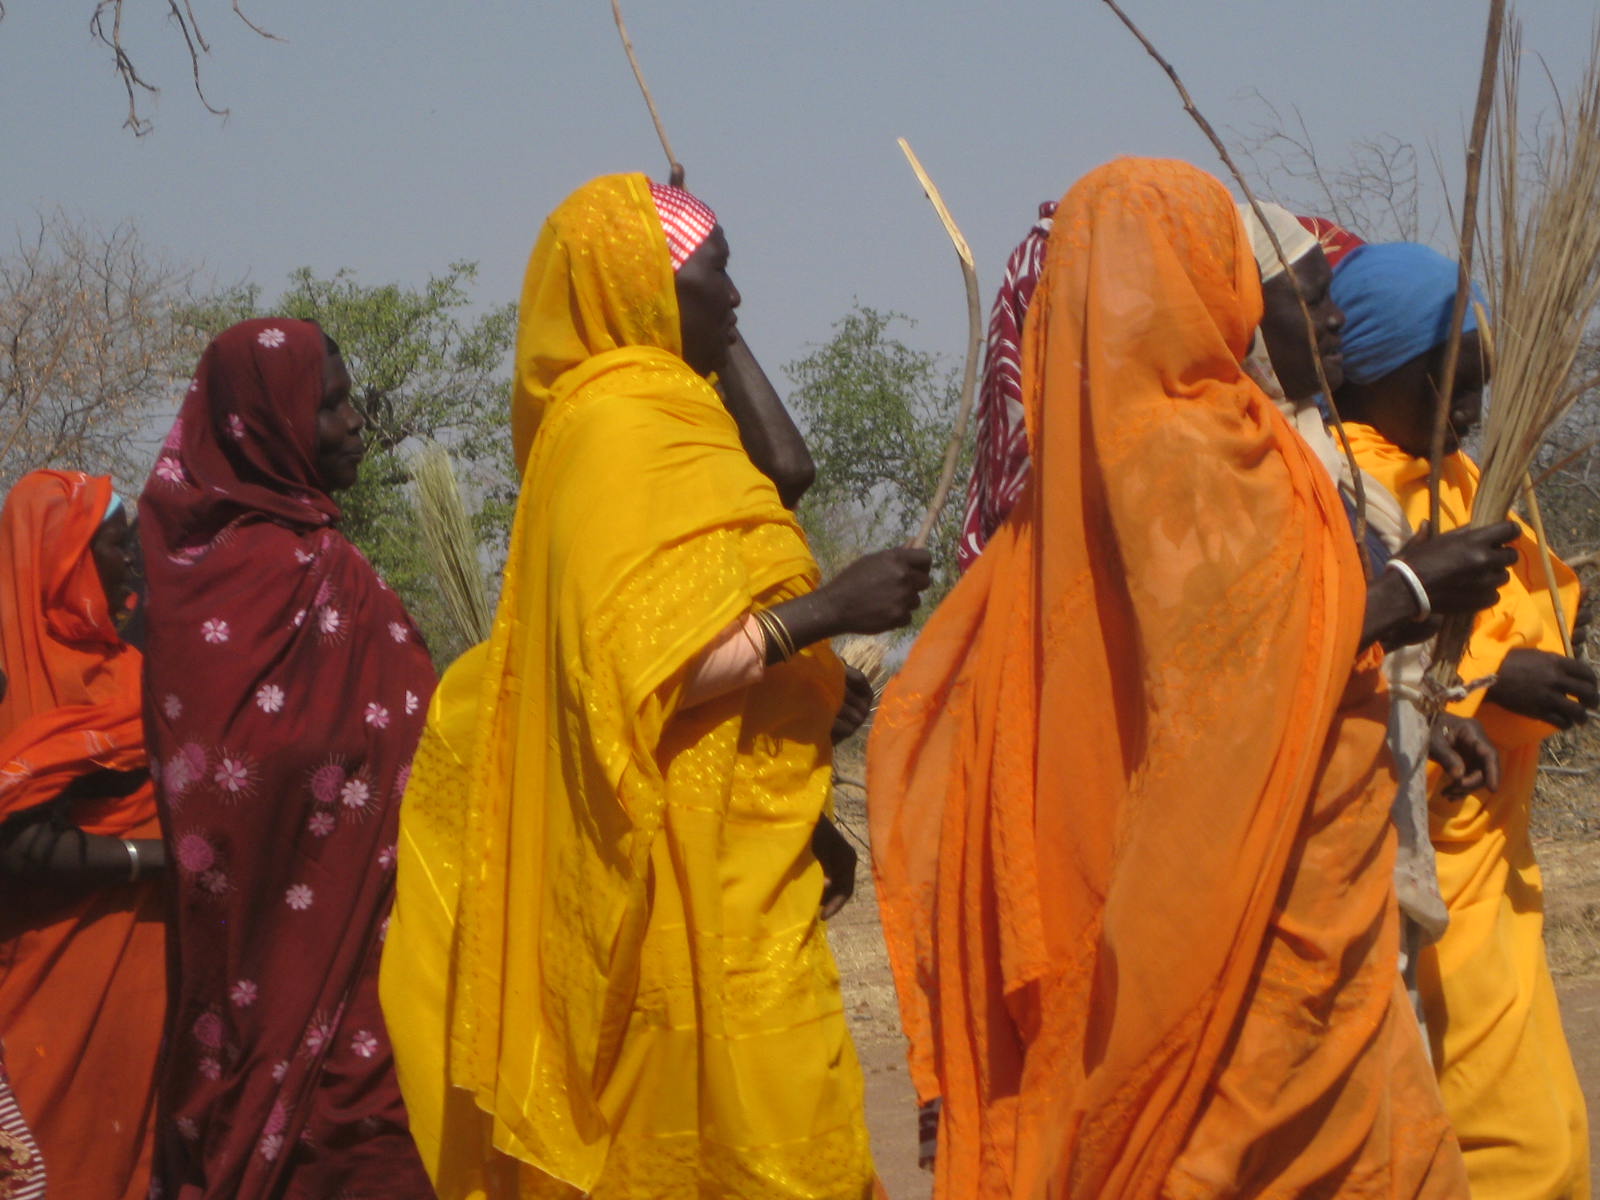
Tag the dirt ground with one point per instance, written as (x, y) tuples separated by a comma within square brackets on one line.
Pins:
[(1567, 825)]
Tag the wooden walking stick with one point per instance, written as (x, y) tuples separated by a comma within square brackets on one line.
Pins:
[(969, 379), (674, 167)]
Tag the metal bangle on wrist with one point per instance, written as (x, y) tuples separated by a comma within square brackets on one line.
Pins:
[(1418, 592), (132, 848), (777, 633)]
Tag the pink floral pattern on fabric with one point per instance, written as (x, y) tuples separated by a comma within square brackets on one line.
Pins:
[(278, 790)]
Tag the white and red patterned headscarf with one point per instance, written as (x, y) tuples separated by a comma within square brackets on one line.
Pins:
[(685, 220), (1001, 465)]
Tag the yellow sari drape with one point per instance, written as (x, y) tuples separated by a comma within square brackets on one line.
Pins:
[(1504, 1068), (607, 936)]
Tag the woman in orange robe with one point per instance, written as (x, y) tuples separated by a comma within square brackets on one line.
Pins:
[(1129, 794), (82, 928)]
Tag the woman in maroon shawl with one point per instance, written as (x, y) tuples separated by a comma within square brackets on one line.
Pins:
[(285, 688)]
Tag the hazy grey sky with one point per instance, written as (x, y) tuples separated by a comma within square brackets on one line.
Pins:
[(392, 136)]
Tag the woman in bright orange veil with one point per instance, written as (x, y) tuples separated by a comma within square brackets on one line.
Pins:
[(1129, 794)]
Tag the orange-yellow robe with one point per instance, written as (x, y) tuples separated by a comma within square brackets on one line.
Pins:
[(1504, 1068)]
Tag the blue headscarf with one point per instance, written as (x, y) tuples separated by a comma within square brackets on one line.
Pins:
[(1396, 298)]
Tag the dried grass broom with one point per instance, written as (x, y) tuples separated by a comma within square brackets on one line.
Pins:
[(1544, 285), (450, 545)]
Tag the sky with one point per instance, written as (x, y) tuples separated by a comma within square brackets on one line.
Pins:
[(393, 137)]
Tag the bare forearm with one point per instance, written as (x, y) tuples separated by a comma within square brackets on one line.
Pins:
[(769, 433), (41, 853), (1391, 607)]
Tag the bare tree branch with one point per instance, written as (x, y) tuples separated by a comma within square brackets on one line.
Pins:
[(105, 23)]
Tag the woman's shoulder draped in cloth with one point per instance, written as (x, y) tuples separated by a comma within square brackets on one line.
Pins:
[(1088, 781), (73, 704), (286, 687), (641, 532)]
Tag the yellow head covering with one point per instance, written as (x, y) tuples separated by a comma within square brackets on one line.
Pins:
[(599, 280), (641, 532)]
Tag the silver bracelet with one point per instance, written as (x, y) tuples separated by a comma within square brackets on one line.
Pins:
[(133, 859), (1402, 569)]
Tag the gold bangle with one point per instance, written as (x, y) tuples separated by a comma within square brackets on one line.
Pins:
[(789, 648), (773, 639), (776, 633)]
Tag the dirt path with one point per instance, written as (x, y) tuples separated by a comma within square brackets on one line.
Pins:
[(869, 999), (1572, 881)]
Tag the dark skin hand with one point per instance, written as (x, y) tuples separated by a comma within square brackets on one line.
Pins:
[(1463, 749), (875, 594), (340, 447), (1580, 627), (838, 859), (33, 850), (1548, 687), (765, 427), (767, 430), (1462, 572), (857, 706)]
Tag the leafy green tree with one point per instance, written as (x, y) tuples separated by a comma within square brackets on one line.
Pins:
[(423, 369), (877, 416)]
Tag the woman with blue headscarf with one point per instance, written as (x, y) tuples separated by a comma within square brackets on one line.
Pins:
[(1504, 1068)]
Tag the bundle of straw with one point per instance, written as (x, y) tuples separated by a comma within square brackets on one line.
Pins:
[(450, 545), (1543, 271)]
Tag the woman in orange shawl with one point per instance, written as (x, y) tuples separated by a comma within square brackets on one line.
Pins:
[(82, 929), (1129, 793)]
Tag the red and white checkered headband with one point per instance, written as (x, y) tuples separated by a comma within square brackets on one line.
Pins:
[(684, 219)]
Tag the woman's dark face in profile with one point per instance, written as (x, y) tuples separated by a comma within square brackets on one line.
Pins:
[(339, 425), (115, 553), (707, 299), (1283, 328), (1401, 405)]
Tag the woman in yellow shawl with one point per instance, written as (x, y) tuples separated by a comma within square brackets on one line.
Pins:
[(1129, 795), (606, 973), (1504, 1068)]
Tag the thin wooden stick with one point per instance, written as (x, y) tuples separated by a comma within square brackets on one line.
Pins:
[(1358, 486), (969, 380), (1531, 499), (673, 166), (1469, 228)]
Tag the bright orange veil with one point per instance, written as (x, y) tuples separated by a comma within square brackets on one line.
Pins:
[(73, 702), (82, 972), (1086, 783)]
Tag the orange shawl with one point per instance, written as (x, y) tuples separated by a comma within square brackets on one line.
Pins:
[(1110, 749), (82, 974)]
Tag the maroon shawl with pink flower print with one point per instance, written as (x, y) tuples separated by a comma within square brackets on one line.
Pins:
[(286, 688)]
